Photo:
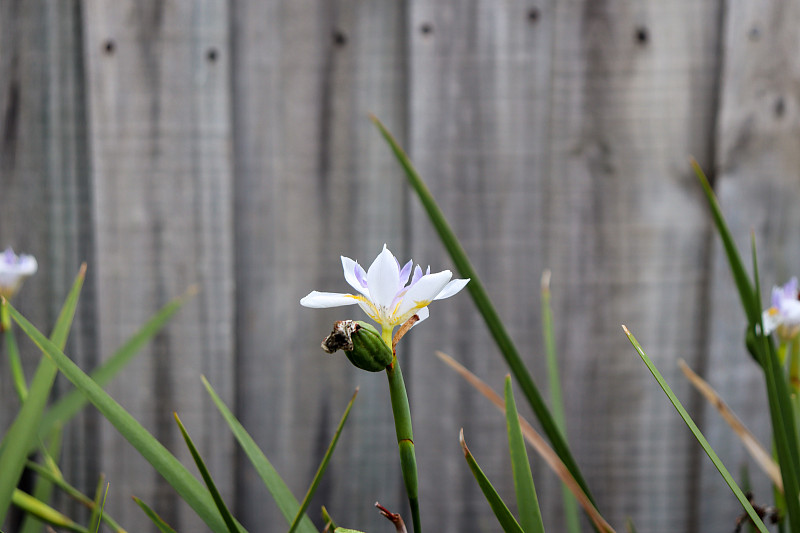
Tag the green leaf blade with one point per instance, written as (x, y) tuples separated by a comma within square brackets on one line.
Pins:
[(697, 434), (153, 516), (571, 515), (500, 509), (283, 497), (322, 466), (187, 486), (782, 414), (68, 406), (746, 292), (530, 516), (209, 481), (21, 436)]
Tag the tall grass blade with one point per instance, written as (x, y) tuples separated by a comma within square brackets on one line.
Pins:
[(751, 444), (157, 520), (781, 412), (53, 475), (322, 466), (536, 441), (69, 405), (44, 512), (21, 436), (283, 497), (556, 400), (530, 515), (326, 518), (500, 509), (212, 487), (43, 487), (187, 486), (12, 352), (697, 434), (97, 504), (745, 287), (487, 310)]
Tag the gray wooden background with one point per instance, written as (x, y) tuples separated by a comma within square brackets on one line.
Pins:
[(226, 144)]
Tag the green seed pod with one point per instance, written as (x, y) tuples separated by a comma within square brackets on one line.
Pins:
[(362, 344)]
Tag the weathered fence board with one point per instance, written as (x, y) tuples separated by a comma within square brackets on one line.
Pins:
[(757, 172), (226, 144), (555, 151), (162, 169), (314, 182)]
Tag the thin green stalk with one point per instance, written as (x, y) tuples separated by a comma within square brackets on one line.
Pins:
[(43, 488), (14, 361), (44, 512), (781, 415), (556, 399), (405, 437), (53, 475), (301, 512), (746, 505)]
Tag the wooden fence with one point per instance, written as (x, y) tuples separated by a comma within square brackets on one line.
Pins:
[(226, 144)]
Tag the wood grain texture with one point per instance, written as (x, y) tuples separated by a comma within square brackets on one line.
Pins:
[(226, 144), (162, 183), (45, 209), (757, 171), (314, 181), (559, 140)]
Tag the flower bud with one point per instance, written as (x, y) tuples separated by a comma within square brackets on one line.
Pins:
[(362, 344)]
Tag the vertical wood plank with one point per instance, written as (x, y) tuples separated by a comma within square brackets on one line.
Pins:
[(158, 74), (314, 181), (479, 99), (44, 206), (559, 138), (757, 169)]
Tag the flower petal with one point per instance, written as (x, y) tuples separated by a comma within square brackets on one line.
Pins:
[(771, 319), (351, 275), (422, 314), (383, 278), (319, 300), (417, 274), (404, 272), (790, 312), (423, 292), (452, 288)]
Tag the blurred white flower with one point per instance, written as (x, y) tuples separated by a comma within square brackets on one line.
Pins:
[(13, 271), (387, 294), (783, 315)]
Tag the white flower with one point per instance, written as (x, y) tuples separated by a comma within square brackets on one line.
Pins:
[(13, 271), (387, 294), (783, 315)]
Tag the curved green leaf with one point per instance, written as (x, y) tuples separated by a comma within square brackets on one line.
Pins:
[(283, 497), (189, 488), (500, 509), (530, 515), (697, 434)]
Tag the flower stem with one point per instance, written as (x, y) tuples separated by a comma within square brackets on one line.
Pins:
[(405, 436), (18, 376)]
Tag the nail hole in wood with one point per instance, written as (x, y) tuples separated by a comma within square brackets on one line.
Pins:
[(109, 46), (642, 35), (533, 15), (339, 38), (780, 107), (212, 55), (426, 28)]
